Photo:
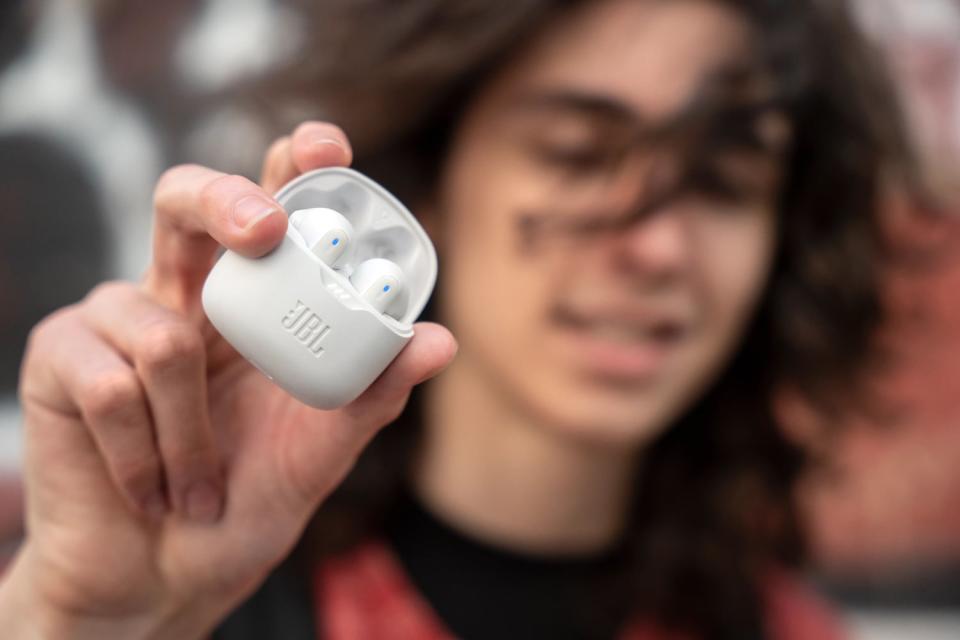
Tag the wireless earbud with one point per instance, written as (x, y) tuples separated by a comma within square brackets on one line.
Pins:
[(329, 235), (326, 232), (379, 282)]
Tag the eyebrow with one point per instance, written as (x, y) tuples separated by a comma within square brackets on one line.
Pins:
[(594, 105)]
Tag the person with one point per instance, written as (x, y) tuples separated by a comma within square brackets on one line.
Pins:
[(651, 217)]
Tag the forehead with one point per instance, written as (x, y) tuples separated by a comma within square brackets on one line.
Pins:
[(648, 54)]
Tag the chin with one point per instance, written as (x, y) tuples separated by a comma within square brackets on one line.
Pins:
[(627, 411), (602, 417)]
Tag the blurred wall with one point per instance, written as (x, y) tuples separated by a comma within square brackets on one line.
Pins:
[(886, 519), (96, 99)]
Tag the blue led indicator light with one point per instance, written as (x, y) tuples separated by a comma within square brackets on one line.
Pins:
[(336, 241), (386, 288)]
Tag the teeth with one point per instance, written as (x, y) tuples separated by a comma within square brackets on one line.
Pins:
[(617, 332), (613, 330)]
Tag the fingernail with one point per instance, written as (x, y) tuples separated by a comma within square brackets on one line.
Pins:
[(154, 505), (252, 209), (321, 140), (202, 502)]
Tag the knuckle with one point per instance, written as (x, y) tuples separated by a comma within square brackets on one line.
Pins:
[(392, 411), (106, 291), (137, 471), (168, 344), (45, 336), (218, 197), (36, 344), (166, 181), (109, 394), (47, 328), (189, 456), (214, 193), (386, 401)]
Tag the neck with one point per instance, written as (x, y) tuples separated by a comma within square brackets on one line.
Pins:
[(491, 469)]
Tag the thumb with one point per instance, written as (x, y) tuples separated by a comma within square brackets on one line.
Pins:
[(323, 451), (430, 351)]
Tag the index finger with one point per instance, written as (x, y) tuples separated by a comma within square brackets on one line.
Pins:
[(197, 209), (312, 145)]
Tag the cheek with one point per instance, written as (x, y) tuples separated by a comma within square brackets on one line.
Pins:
[(735, 259), (492, 294)]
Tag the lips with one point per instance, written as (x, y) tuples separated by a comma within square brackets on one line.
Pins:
[(622, 343)]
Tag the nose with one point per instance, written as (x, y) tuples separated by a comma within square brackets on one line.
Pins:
[(656, 250)]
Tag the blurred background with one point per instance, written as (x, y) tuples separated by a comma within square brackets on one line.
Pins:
[(97, 97)]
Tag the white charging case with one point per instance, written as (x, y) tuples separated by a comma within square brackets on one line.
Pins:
[(301, 322)]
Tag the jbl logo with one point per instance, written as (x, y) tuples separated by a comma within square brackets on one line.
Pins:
[(307, 327)]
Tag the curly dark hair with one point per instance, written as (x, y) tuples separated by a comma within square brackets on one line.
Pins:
[(715, 506)]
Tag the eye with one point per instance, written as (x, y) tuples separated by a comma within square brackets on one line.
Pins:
[(715, 185), (575, 158)]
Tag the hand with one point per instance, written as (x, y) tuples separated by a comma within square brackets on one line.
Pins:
[(165, 475)]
